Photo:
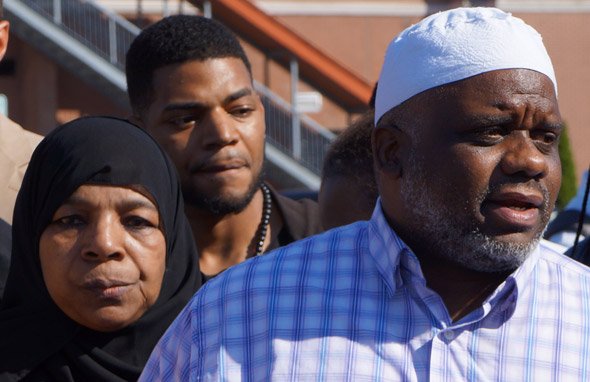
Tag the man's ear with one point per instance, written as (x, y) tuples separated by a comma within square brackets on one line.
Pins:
[(389, 144), (4, 29)]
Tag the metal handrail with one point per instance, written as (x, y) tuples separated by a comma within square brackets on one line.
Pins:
[(315, 139), (101, 30), (109, 35), (287, 106)]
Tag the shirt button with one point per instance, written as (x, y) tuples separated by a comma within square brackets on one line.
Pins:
[(449, 334)]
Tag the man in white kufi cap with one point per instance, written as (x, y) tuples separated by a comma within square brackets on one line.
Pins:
[(449, 279)]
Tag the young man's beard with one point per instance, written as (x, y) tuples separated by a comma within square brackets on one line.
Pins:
[(219, 205), (449, 235)]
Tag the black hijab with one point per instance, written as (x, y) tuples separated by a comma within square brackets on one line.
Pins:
[(37, 339)]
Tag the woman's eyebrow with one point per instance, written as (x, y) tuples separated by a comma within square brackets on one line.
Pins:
[(75, 200), (129, 203), (133, 203)]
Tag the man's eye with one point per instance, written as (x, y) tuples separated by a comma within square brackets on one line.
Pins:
[(488, 136), (550, 137), (184, 122), (242, 112), (494, 132), (546, 137)]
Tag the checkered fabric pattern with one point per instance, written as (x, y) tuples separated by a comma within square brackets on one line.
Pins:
[(352, 305)]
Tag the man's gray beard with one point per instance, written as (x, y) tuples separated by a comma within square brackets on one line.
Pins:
[(217, 204), (449, 237)]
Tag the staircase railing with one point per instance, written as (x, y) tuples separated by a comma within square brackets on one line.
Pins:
[(101, 30), (109, 35)]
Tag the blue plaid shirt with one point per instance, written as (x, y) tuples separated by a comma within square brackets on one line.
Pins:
[(352, 305)]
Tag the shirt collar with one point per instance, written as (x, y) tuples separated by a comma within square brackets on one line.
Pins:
[(386, 248), (389, 251), (506, 295), (502, 302)]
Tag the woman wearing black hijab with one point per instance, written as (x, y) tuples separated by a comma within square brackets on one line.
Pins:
[(40, 341)]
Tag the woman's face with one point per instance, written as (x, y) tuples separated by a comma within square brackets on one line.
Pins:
[(103, 256)]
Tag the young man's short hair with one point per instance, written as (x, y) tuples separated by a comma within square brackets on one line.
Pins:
[(174, 40)]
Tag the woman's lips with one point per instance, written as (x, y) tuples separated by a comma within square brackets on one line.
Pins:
[(113, 293), (108, 289)]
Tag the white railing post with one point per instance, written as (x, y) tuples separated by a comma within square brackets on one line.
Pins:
[(57, 11), (113, 40), (207, 10), (139, 11), (165, 8), (295, 121)]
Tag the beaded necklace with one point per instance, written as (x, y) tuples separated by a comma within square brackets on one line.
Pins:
[(263, 226)]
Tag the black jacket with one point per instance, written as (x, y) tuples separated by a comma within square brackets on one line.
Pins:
[(582, 252), (300, 219)]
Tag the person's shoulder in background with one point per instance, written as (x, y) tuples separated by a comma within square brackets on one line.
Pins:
[(301, 217), (581, 253), (563, 229), (16, 146), (5, 247)]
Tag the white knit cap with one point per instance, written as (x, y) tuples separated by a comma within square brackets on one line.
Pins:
[(453, 45)]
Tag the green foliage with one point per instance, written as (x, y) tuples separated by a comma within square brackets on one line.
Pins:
[(569, 183)]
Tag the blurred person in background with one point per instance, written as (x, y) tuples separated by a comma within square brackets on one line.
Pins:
[(564, 228), (348, 190), (16, 147), (580, 249), (190, 86)]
